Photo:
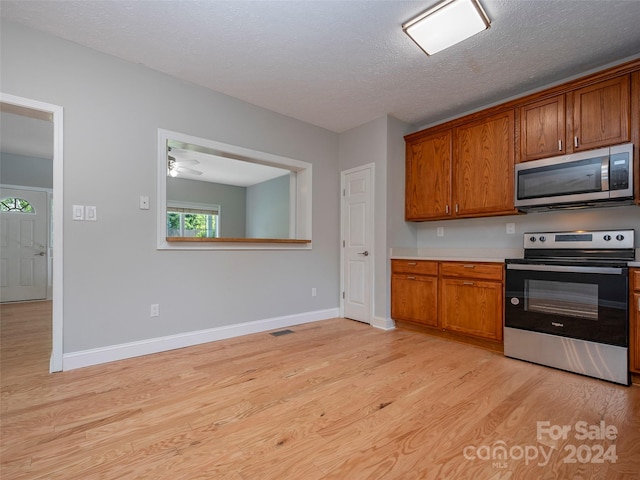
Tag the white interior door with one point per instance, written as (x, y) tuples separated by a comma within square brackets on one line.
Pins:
[(357, 230), (23, 245)]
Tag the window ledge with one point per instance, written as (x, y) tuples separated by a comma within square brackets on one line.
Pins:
[(235, 240)]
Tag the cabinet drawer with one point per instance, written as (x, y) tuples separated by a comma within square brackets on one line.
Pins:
[(422, 267), (634, 277), (490, 271)]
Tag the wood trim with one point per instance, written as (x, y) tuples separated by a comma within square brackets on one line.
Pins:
[(567, 87), (235, 240)]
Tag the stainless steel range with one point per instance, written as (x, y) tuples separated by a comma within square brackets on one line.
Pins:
[(566, 302)]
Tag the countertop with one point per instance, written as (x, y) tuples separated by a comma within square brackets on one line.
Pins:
[(468, 254), (457, 254)]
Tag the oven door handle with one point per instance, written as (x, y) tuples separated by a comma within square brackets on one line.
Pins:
[(565, 268)]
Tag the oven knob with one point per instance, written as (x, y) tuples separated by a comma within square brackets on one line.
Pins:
[(619, 237), (532, 239), (543, 238), (607, 237)]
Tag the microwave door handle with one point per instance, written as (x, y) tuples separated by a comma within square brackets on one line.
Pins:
[(604, 174)]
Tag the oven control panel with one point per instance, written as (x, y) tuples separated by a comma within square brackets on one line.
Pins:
[(609, 239)]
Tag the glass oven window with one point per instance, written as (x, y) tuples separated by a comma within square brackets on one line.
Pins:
[(577, 300)]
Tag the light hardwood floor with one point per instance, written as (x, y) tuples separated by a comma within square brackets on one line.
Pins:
[(334, 400)]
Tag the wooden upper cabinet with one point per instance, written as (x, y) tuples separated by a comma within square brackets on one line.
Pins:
[(542, 129), (464, 167), (428, 177), (483, 166), (601, 114)]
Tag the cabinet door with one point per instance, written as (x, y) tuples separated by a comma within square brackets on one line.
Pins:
[(601, 114), (542, 129), (428, 177), (483, 166), (634, 340), (414, 298), (472, 307)]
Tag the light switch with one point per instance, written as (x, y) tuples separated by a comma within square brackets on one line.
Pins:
[(144, 202), (91, 213), (78, 212)]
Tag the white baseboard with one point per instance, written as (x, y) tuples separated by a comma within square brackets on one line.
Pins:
[(122, 351), (383, 323)]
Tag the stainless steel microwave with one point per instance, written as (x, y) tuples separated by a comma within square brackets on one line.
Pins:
[(594, 178)]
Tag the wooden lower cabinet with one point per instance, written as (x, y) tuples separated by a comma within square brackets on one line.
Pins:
[(634, 320), (458, 298), (472, 307), (471, 298), (414, 291), (415, 298)]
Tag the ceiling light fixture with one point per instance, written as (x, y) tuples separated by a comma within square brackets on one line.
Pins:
[(446, 24)]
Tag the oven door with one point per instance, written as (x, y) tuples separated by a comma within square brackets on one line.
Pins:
[(587, 303)]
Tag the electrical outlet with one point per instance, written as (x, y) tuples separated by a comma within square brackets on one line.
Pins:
[(313, 292), (155, 309), (144, 202), (511, 228), (440, 231)]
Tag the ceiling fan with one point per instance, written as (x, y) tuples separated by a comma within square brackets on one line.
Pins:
[(177, 166)]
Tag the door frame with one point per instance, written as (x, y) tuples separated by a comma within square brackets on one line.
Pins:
[(55, 114), (343, 176)]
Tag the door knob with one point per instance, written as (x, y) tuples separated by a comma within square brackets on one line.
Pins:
[(365, 253), (42, 254)]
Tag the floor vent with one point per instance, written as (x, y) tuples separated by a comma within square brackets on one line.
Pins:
[(281, 332)]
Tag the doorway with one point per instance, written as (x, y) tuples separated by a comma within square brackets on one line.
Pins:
[(24, 240), (34, 109), (357, 253)]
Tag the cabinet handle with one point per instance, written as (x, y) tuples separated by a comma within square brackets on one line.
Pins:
[(411, 278), (560, 145), (467, 283), (413, 264), (575, 142), (456, 208), (469, 266), (446, 209)]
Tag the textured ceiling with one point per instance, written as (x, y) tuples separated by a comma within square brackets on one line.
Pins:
[(339, 64)]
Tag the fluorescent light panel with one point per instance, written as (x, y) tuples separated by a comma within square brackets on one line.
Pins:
[(446, 24)]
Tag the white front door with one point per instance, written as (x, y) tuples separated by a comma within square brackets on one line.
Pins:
[(357, 232), (23, 245)]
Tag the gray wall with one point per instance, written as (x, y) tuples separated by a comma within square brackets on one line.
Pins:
[(268, 209), (112, 270), (26, 171), (381, 142), (491, 232), (231, 199)]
